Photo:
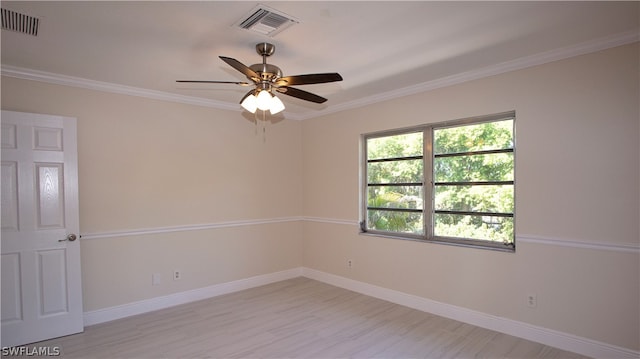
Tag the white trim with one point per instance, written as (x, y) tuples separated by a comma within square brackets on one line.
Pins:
[(330, 220), (507, 66), (517, 64), (57, 79), (192, 227), (64, 80), (149, 305), (542, 335), (523, 330), (630, 248)]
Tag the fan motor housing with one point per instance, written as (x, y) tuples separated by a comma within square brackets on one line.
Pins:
[(267, 72)]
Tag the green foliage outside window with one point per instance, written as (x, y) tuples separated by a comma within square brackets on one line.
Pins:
[(473, 173), (491, 175), (406, 171)]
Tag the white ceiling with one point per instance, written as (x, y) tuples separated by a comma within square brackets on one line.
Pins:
[(381, 49)]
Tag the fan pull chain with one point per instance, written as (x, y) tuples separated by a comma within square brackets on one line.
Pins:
[(255, 120), (264, 127)]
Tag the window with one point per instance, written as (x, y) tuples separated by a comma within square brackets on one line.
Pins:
[(451, 182)]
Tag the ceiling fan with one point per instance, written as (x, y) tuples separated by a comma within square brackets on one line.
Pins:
[(267, 79)]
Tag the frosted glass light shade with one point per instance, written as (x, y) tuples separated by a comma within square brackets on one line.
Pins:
[(250, 104), (264, 100), (276, 105)]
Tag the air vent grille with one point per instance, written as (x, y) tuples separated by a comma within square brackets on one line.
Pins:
[(15, 21), (266, 21)]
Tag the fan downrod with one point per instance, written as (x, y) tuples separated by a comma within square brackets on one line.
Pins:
[(267, 72)]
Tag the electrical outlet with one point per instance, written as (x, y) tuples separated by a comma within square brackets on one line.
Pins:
[(177, 275), (350, 263), (532, 300), (156, 279)]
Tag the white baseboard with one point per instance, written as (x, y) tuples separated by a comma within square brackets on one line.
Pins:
[(149, 305), (523, 330)]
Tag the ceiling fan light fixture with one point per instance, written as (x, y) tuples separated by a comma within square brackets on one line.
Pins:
[(250, 103), (268, 78)]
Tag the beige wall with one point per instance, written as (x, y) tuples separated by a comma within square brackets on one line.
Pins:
[(145, 164), (577, 179)]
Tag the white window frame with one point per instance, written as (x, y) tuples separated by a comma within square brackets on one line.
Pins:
[(429, 185)]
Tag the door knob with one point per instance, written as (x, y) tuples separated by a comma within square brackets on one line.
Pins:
[(72, 237)]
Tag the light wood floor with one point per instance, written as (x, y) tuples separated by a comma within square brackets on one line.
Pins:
[(297, 318)]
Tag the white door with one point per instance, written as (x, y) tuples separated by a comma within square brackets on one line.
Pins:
[(41, 280)]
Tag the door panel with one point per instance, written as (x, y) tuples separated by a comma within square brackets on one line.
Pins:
[(41, 279), (9, 196), (52, 295), (50, 195), (47, 139), (11, 292)]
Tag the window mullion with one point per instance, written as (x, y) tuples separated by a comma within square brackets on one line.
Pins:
[(427, 188), (364, 195)]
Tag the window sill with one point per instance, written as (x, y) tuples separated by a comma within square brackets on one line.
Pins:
[(493, 246)]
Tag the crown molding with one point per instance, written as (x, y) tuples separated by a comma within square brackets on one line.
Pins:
[(58, 79), (507, 66), (517, 64), (79, 82)]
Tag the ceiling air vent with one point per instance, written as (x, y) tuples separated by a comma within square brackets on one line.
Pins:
[(266, 21), (18, 22)]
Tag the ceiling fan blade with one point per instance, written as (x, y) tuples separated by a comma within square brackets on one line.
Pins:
[(304, 95), (241, 67), (309, 79), (215, 82)]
